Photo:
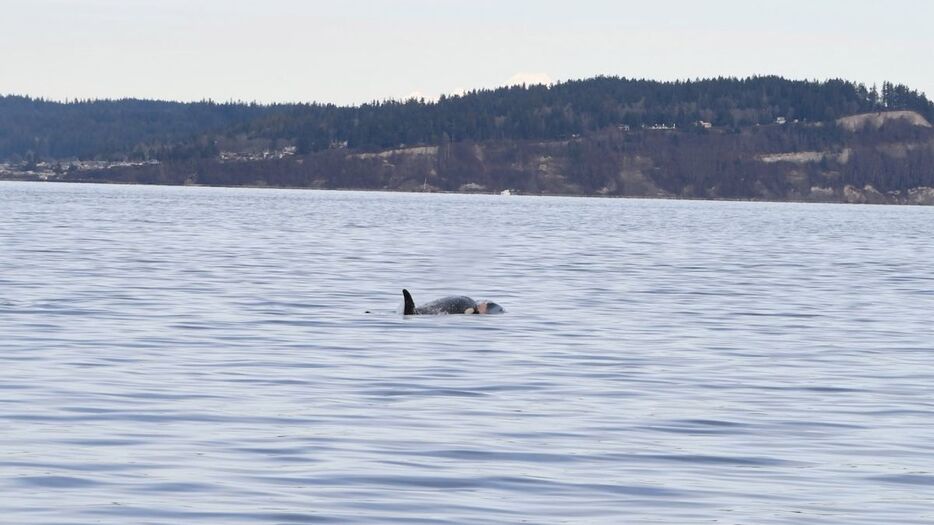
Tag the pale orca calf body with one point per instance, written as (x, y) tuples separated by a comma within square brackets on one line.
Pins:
[(455, 304)]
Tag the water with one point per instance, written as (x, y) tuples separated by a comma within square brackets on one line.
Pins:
[(196, 355)]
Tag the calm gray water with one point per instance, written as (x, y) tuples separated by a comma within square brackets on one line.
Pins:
[(198, 355)]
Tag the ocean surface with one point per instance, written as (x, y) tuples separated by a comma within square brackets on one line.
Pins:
[(206, 355)]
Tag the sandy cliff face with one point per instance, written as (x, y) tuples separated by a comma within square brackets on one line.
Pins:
[(877, 120)]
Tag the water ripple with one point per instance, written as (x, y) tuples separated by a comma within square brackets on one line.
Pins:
[(198, 355)]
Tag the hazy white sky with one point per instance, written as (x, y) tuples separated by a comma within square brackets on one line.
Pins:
[(354, 51)]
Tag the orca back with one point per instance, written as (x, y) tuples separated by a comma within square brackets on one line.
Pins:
[(455, 304)]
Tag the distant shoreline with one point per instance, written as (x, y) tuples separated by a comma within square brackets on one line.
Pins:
[(757, 139), (549, 195)]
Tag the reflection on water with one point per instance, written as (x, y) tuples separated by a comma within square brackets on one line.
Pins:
[(194, 355)]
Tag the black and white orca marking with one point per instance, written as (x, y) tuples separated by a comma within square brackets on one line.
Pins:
[(455, 304)]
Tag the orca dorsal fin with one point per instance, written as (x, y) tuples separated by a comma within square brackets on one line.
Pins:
[(409, 303)]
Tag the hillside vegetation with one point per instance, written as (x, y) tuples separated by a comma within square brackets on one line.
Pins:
[(753, 138)]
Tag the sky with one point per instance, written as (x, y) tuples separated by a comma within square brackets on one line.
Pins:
[(350, 52)]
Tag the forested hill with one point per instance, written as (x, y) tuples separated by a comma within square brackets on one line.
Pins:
[(34, 129), (111, 129)]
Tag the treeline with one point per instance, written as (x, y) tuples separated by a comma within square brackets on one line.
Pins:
[(31, 129), (579, 107)]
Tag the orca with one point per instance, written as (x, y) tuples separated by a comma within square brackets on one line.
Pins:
[(454, 304)]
